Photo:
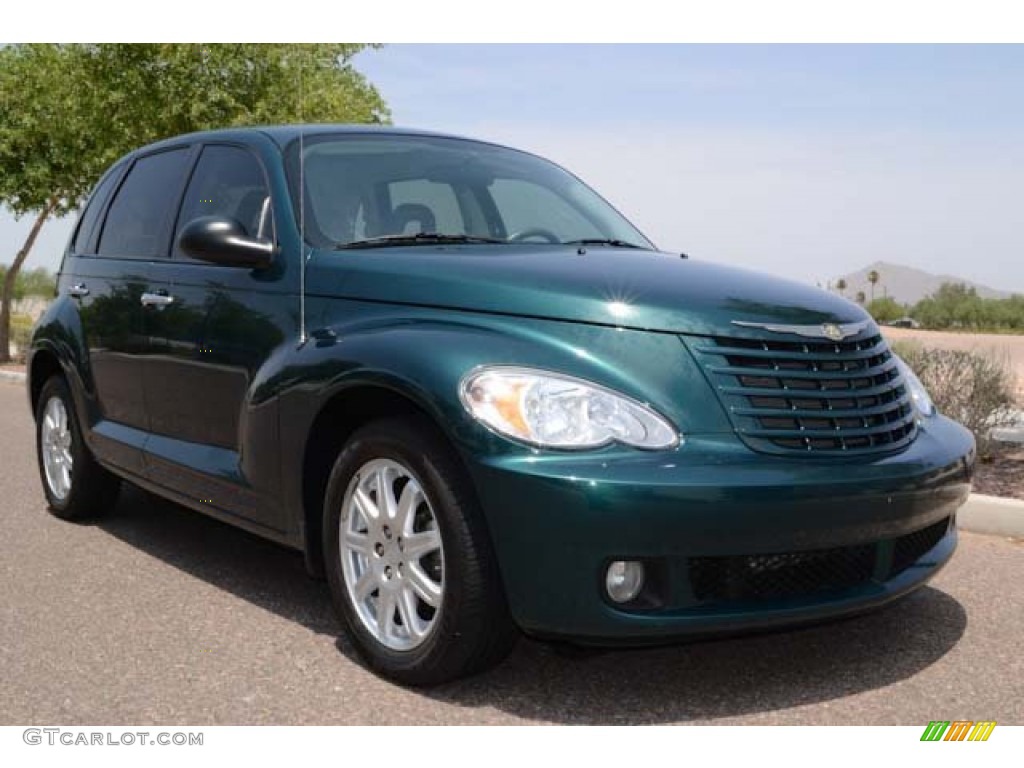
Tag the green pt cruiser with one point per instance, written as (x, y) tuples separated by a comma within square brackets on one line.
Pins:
[(479, 401)]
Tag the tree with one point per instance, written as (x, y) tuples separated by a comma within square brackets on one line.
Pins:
[(886, 309), (840, 286), (68, 111), (861, 298), (873, 277)]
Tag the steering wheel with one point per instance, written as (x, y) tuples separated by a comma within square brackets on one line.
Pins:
[(526, 234)]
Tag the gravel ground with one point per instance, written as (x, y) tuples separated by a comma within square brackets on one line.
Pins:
[(1002, 474), (157, 615)]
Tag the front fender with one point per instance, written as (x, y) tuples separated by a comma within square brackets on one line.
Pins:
[(422, 354)]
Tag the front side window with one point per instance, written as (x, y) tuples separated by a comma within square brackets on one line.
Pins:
[(360, 188), (135, 225), (228, 181)]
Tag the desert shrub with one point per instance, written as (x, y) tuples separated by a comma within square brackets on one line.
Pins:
[(21, 334), (977, 389)]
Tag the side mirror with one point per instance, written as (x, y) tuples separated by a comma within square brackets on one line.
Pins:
[(221, 240)]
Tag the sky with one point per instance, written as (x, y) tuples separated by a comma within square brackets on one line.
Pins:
[(804, 161)]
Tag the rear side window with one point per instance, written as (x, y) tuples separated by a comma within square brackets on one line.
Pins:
[(84, 241), (228, 181), (137, 220)]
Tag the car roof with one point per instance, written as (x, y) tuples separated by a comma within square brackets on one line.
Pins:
[(282, 135)]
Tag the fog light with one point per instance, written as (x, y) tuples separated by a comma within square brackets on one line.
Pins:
[(624, 580)]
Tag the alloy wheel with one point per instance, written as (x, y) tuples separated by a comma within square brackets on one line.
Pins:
[(392, 557)]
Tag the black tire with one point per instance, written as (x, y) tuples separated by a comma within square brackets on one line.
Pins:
[(472, 629), (93, 490)]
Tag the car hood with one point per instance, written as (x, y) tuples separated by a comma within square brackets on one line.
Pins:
[(626, 288)]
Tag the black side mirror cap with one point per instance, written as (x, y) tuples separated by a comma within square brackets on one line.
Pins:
[(222, 240)]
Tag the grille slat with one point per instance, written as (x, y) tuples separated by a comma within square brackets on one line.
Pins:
[(822, 412), (807, 372), (800, 354), (844, 397), (774, 391)]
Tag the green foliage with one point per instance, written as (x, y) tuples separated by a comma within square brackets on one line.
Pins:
[(47, 134), (36, 282), (975, 388), (68, 111), (886, 309), (959, 307), (152, 91)]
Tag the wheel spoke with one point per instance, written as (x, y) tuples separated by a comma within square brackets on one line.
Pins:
[(428, 590), (412, 496), (364, 585), (365, 506), (358, 542), (407, 610), (419, 544), (386, 614), (385, 497)]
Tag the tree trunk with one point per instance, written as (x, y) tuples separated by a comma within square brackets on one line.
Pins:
[(7, 298)]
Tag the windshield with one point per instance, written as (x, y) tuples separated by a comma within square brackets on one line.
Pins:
[(414, 190)]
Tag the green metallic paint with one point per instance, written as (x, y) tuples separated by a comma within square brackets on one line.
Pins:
[(413, 321)]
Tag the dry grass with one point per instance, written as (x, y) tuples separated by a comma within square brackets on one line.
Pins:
[(1011, 348)]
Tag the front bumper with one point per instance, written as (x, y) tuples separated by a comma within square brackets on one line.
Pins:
[(733, 540)]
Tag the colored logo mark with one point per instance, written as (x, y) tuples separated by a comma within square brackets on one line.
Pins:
[(958, 730)]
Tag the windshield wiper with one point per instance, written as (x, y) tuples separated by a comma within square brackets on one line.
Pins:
[(420, 238), (603, 241)]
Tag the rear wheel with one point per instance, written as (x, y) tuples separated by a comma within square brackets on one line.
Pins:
[(408, 560), (76, 486)]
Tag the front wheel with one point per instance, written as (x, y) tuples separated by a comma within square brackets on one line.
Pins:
[(408, 559)]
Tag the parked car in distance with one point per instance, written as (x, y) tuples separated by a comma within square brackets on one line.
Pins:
[(904, 322), (479, 400)]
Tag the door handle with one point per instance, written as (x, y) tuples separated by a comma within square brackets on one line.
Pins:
[(161, 299), (78, 290)]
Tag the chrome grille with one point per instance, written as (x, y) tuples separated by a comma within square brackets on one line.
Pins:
[(824, 397)]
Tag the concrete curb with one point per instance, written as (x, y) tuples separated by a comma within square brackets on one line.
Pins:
[(16, 377), (992, 515)]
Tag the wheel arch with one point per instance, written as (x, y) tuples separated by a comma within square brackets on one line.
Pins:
[(43, 365), (340, 415)]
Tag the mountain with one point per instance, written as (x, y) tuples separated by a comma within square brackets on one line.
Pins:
[(907, 285)]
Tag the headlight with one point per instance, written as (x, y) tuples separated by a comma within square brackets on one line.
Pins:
[(556, 411), (922, 401)]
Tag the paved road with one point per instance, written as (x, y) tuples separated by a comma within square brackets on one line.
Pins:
[(157, 615)]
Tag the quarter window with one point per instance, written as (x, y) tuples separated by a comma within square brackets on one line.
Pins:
[(135, 225), (84, 240)]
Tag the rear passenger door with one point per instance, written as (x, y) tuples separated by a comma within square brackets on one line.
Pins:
[(111, 272), (209, 347)]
